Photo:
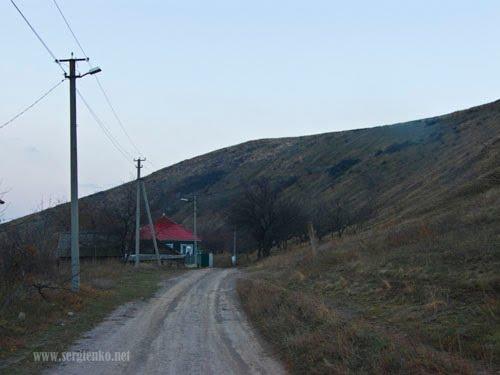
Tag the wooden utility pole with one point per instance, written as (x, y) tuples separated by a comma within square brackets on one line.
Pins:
[(313, 239)]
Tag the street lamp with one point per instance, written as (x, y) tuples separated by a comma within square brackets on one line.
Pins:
[(92, 71), (194, 224)]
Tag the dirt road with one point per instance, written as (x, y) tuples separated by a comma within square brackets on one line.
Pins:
[(193, 326)]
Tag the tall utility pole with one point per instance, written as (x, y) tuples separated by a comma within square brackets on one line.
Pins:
[(141, 186), (195, 250), (234, 247), (75, 250), (138, 210), (151, 225), (195, 230)]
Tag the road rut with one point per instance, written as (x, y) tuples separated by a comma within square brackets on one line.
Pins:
[(193, 326)]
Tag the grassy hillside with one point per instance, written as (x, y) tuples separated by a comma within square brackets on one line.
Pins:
[(399, 170), (420, 295)]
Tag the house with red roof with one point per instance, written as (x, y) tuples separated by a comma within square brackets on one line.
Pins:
[(170, 236)]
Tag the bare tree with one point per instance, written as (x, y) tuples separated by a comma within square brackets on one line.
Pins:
[(117, 217), (217, 240), (331, 217), (125, 218), (291, 222), (45, 204), (341, 218), (319, 217), (255, 211), (26, 261), (268, 217)]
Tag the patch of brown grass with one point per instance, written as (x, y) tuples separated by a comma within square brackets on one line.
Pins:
[(312, 338), (223, 260), (427, 288), (47, 325)]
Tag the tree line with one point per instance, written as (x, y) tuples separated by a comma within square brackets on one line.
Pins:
[(271, 219)]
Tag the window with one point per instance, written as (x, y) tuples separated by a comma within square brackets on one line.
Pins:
[(187, 249)]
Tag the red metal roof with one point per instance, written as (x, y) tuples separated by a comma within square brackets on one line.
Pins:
[(167, 230)]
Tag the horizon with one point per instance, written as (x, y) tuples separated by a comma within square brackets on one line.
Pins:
[(275, 70)]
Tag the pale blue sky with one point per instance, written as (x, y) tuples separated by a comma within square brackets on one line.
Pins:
[(188, 77)]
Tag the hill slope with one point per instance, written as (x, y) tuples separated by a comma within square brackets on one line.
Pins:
[(418, 290), (400, 170)]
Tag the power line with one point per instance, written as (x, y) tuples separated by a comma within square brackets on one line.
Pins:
[(108, 101), (37, 35), (105, 130), (116, 115), (69, 28), (106, 96), (32, 104)]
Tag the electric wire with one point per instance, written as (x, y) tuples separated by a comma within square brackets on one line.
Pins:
[(103, 91), (38, 36), (105, 130), (108, 101), (12, 119), (69, 28)]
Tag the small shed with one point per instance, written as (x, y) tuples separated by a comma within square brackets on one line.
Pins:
[(170, 236), (92, 245)]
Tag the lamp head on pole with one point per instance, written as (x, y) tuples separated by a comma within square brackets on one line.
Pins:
[(95, 70), (92, 71)]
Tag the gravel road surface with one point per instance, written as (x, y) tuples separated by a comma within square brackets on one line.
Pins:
[(194, 325)]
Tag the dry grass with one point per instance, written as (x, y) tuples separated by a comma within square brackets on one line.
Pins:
[(223, 260), (315, 339), (47, 326), (421, 296)]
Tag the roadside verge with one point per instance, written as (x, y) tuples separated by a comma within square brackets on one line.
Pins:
[(52, 320)]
